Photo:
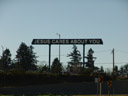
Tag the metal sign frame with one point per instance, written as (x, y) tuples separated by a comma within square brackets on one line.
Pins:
[(95, 41)]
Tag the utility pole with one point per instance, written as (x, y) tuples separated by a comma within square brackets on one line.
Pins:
[(113, 59)]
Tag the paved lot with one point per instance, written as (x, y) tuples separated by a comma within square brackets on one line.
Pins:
[(118, 87)]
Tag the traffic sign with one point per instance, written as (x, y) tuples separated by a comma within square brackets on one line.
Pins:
[(109, 83), (100, 79), (96, 80)]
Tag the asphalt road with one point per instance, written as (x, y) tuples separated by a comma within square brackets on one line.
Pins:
[(118, 87)]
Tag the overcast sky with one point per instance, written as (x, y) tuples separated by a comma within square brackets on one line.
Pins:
[(24, 20)]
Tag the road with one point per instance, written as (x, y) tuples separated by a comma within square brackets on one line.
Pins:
[(118, 87)]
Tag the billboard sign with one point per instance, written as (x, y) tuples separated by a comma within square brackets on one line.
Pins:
[(66, 41)]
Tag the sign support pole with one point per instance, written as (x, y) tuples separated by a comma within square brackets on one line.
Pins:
[(83, 54), (100, 89), (97, 88), (49, 56), (108, 90)]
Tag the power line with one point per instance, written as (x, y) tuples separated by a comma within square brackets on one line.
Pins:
[(95, 52), (122, 51), (102, 51), (52, 55), (98, 62), (112, 63)]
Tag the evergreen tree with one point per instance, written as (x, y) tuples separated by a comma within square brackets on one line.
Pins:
[(90, 59), (26, 57), (102, 69), (44, 69), (5, 60), (75, 57), (124, 70), (116, 69), (56, 66)]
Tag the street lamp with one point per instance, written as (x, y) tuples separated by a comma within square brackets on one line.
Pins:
[(59, 45), (2, 49)]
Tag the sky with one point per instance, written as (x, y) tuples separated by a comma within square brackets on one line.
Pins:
[(25, 20)]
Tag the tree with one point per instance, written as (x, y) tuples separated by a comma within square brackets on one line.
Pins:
[(75, 57), (26, 58), (5, 60), (124, 70), (90, 59), (56, 66), (44, 69), (102, 69), (116, 69)]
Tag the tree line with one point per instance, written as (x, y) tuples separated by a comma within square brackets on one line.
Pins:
[(26, 60)]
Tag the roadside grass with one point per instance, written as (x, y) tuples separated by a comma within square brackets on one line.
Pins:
[(103, 95)]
